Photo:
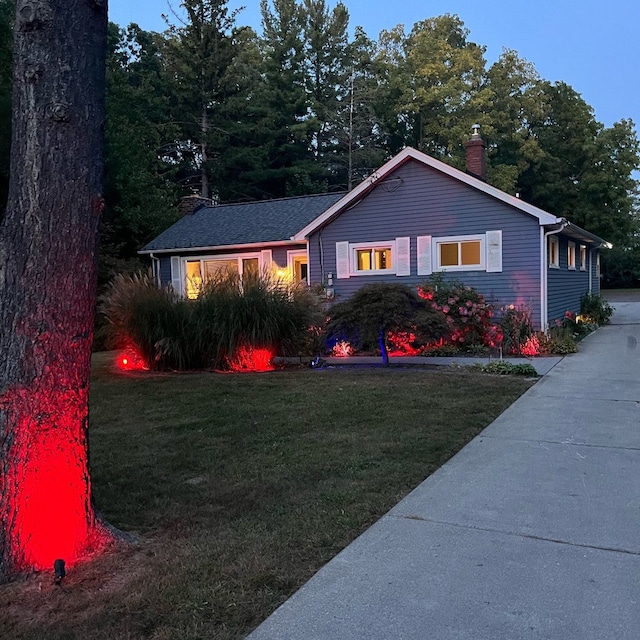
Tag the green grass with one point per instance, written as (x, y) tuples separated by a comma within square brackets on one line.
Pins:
[(240, 487)]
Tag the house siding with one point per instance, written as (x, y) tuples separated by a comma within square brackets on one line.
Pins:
[(566, 286), (419, 201)]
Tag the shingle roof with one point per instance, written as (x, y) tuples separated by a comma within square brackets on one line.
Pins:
[(243, 223)]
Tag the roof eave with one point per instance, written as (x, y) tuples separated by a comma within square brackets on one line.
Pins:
[(223, 247), (574, 231)]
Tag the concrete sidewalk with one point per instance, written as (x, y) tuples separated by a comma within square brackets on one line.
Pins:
[(531, 531)]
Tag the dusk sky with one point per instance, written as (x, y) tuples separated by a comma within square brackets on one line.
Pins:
[(594, 47)]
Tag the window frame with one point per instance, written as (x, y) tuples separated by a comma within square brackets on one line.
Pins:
[(239, 257), (571, 255), (294, 255), (354, 247), (554, 242), (476, 237), (583, 257)]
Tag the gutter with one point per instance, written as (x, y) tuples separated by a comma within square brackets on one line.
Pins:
[(225, 247)]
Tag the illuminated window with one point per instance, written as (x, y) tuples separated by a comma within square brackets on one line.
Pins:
[(554, 252), (372, 258), (583, 258), (250, 267), (298, 265), (194, 278), (571, 255), (460, 253), (216, 268), (197, 272)]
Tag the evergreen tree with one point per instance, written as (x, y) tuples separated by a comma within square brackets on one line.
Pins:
[(283, 98), (199, 54), (328, 70), (140, 197)]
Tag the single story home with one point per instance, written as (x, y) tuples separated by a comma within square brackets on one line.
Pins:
[(413, 217)]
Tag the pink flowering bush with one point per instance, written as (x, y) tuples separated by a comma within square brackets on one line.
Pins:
[(467, 313)]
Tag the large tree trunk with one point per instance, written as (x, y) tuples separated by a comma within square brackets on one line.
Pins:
[(48, 242)]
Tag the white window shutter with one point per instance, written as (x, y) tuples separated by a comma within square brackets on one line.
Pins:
[(494, 251), (266, 258), (403, 256), (176, 275), (342, 259), (424, 255)]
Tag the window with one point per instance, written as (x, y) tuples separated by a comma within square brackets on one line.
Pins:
[(298, 265), (571, 255), (372, 258), (197, 272), (460, 253), (554, 252), (583, 258)]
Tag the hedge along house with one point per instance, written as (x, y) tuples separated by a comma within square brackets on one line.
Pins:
[(414, 217)]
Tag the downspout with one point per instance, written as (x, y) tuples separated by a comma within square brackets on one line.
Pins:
[(544, 271), (321, 256), (155, 270)]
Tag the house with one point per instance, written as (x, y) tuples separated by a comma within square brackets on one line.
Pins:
[(413, 217)]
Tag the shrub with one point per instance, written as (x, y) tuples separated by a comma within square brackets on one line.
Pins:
[(594, 308), (559, 341), (467, 313), (504, 367), (373, 311), (517, 330)]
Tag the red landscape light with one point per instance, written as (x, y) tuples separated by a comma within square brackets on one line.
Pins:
[(131, 361), (252, 359)]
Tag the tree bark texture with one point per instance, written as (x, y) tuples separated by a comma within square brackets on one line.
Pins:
[(48, 270)]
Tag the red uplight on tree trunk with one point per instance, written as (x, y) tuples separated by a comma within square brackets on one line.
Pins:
[(50, 511)]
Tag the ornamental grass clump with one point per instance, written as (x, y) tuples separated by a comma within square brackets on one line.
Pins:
[(255, 311), (153, 323), (232, 316)]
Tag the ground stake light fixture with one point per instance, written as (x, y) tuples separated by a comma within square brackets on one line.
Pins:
[(59, 571)]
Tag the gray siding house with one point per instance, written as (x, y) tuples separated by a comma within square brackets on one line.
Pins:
[(414, 217)]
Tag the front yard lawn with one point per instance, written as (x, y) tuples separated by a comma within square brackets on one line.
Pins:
[(240, 487)]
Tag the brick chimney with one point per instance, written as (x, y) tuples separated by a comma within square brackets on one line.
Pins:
[(188, 204), (476, 154)]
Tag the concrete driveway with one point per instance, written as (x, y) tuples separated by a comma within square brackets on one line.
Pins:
[(531, 531)]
